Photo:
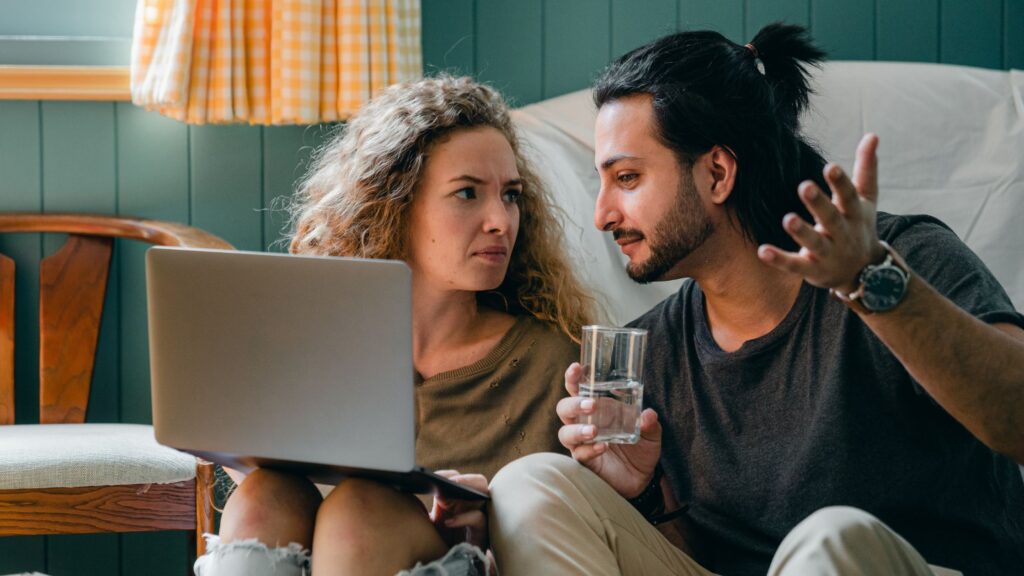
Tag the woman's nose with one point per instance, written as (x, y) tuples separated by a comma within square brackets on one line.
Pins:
[(496, 217)]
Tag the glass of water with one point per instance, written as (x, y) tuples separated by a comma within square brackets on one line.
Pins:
[(612, 360)]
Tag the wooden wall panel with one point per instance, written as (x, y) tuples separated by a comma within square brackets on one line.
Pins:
[(509, 47), (449, 36), (84, 555), (227, 183), (631, 27), (762, 12), (152, 176), (576, 43), (846, 30), (897, 39), (1013, 28), (79, 175), (725, 16), (971, 33), (286, 156), (21, 189)]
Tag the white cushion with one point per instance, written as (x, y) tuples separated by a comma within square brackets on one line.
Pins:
[(73, 455)]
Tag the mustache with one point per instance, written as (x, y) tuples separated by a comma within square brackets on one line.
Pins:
[(627, 233)]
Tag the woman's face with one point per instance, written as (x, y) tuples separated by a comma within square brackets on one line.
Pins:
[(465, 213)]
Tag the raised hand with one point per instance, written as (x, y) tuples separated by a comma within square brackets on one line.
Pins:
[(627, 468), (843, 239)]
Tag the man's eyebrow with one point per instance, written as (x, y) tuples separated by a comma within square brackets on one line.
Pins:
[(608, 163)]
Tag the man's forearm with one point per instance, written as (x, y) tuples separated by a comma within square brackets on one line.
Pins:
[(974, 370)]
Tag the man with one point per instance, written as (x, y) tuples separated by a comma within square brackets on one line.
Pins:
[(836, 391)]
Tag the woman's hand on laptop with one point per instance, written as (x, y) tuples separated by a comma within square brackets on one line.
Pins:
[(462, 520)]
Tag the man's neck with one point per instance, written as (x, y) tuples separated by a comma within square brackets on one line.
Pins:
[(744, 299)]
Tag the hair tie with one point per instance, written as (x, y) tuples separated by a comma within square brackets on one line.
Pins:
[(757, 57)]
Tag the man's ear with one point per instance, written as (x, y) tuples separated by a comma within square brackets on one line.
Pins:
[(720, 163)]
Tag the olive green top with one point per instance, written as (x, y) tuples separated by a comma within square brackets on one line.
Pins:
[(477, 418)]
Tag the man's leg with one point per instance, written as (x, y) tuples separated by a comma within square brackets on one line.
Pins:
[(550, 515), (849, 542)]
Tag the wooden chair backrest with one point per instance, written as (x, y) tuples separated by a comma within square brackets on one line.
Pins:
[(72, 284)]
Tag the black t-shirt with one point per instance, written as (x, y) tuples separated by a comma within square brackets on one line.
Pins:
[(818, 412)]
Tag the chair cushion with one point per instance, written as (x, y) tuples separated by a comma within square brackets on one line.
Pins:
[(74, 455)]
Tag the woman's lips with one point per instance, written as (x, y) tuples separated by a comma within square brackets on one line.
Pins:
[(492, 254)]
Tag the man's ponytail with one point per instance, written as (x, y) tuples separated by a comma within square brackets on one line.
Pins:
[(786, 52)]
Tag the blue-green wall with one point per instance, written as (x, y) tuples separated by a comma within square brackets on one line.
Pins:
[(115, 158)]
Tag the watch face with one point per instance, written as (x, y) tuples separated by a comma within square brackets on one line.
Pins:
[(884, 288)]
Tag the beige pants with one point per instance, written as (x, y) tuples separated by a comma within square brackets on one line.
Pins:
[(550, 515)]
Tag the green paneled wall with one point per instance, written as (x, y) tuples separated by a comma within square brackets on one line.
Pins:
[(115, 158)]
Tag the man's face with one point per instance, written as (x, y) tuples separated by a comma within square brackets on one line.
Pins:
[(648, 200)]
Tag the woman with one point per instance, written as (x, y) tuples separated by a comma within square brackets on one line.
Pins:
[(430, 173)]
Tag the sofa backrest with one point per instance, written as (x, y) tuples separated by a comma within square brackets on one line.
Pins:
[(951, 145)]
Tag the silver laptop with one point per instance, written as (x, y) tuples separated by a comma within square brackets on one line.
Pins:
[(301, 363)]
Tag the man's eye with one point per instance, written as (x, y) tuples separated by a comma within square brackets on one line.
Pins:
[(466, 194), (513, 195), (627, 178)]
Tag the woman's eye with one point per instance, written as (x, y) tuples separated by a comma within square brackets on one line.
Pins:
[(512, 195), (466, 194), (627, 178)]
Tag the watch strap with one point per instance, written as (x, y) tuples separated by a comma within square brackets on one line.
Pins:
[(651, 502)]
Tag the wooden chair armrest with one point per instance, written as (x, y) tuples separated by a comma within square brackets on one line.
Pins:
[(152, 231)]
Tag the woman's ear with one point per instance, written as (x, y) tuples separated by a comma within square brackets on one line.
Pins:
[(720, 163)]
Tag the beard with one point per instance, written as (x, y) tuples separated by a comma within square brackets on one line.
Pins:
[(683, 229)]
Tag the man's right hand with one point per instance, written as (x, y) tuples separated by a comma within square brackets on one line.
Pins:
[(628, 468)]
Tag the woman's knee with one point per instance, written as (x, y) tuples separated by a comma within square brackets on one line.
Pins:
[(362, 519), (273, 507)]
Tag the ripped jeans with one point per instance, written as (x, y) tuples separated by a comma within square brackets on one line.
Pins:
[(253, 558)]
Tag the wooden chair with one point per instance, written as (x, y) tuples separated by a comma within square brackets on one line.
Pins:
[(86, 478)]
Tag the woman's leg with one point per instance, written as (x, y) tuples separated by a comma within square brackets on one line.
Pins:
[(266, 529), (367, 528), (273, 507)]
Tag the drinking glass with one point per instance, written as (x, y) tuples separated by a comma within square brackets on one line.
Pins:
[(612, 360)]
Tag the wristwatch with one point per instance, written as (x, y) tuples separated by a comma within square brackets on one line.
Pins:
[(881, 286)]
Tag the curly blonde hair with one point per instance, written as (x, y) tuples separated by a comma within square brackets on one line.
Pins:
[(355, 198)]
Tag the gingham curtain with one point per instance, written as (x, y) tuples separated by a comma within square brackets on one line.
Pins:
[(270, 61)]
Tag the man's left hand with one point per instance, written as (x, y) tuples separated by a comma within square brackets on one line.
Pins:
[(843, 239)]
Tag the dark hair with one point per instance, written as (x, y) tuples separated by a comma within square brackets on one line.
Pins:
[(708, 90)]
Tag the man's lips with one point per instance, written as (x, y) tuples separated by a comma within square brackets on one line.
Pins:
[(627, 241)]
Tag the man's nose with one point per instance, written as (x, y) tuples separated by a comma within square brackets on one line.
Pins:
[(606, 211)]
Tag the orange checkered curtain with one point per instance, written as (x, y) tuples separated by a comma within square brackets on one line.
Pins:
[(270, 61)]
